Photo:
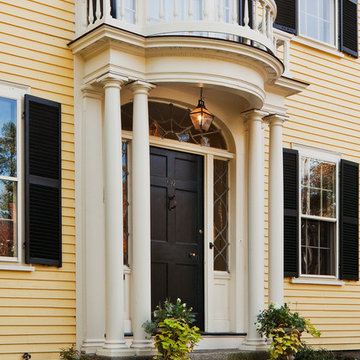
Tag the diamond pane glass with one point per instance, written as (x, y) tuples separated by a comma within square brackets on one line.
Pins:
[(125, 174), (172, 122), (221, 191)]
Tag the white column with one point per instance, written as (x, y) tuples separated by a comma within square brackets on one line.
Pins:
[(276, 212), (92, 228), (141, 236), (255, 185), (114, 284)]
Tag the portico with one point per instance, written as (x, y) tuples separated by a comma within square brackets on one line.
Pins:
[(135, 93)]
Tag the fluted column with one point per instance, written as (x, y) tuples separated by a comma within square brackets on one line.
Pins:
[(141, 236), (255, 304), (114, 284), (276, 212)]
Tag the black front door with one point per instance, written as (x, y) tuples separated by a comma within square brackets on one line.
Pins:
[(177, 229)]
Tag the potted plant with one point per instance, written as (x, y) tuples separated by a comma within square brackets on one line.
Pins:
[(285, 328), (173, 336)]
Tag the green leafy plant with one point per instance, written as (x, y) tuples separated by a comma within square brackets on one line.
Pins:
[(285, 328), (72, 354), (175, 339), (173, 336), (167, 309)]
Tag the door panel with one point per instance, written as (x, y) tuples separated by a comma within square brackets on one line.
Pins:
[(176, 221)]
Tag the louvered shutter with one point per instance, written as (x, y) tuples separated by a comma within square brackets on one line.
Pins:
[(42, 181), (286, 18), (348, 35), (349, 220), (291, 211)]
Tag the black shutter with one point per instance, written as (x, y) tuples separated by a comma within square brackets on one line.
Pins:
[(291, 211), (348, 22), (42, 181), (349, 220), (286, 18), (242, 13)]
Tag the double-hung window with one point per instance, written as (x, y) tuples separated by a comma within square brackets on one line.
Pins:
[(320, 215), (318, 209), (317, 20), (332, 22), (10, 173)]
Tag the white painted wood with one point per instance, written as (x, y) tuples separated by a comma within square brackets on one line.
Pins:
[(255, 226), (141, 235), (93, 242), (211, 23), (91, 12), (276, 211), (97, 10), (114, 284), (246, 13)]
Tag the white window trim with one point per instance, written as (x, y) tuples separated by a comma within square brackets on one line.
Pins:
[(330, 156), (16, 92), (321, 45)]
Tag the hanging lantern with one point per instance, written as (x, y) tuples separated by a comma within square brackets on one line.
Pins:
[(201, 117)]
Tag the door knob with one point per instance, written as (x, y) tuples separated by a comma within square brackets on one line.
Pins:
[(192, 255)]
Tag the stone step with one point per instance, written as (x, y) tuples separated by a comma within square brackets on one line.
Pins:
[(203, 355)]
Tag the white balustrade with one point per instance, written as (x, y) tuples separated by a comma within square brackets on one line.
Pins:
[(215, 18)]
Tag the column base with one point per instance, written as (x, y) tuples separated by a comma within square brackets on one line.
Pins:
[(114, 348), (254, 344), (90, 346), (143, 347)]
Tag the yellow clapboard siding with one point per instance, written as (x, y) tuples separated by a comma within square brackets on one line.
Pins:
[(37, 309), (326, 116), (40, 27), (37, 8), (63, 65), (42, 329)]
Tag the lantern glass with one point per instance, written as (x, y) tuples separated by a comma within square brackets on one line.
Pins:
[(201, 117)]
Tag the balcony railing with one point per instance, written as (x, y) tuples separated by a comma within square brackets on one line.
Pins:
[(251, 23)]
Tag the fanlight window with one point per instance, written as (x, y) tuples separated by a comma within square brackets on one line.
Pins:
[(172, 122)]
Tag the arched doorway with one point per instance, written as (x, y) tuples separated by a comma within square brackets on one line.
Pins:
[(178, 204)]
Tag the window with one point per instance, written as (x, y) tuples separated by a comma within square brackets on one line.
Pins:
[(221, 224), (320, 214), (9, 242), (317, 20), (322, 20)]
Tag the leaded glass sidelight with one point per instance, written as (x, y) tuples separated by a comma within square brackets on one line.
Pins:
[(125, 174), (168, 121), (221, 225)]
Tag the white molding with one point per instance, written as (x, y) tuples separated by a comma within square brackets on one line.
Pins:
[(317, 281), (17, 267), (318, 45)]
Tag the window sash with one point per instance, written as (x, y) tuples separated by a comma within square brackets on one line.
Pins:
[(17, 95), (306, 19), (327, 157)]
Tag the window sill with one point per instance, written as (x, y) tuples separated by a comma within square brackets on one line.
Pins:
[(17, 267), (317, 281), (318, 45)]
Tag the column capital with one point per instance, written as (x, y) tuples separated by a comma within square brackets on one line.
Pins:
[(254, 115), (111, 79), (276, 119), (140, 87), (91, 91)]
